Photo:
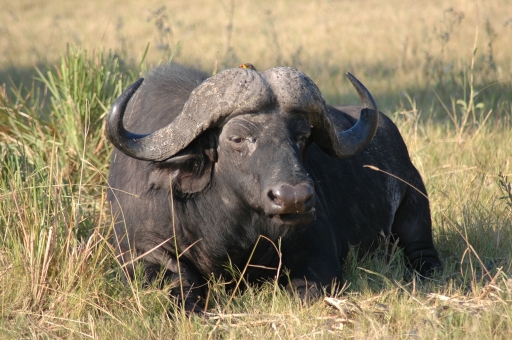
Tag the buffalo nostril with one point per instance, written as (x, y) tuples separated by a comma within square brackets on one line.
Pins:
[(291, 199), (273, 197), (281, 195)]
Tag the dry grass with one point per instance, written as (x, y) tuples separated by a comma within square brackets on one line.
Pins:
[(440, 69), (370, 31), (385, 40)]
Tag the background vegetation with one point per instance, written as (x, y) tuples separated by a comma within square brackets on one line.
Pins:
[(441, 69)]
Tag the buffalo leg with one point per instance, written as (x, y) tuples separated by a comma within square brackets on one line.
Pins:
[(413, 228)]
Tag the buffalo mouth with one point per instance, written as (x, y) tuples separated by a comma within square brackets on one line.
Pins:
[(295, 219)]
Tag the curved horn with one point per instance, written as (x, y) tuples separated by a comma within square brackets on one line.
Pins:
[(218, 98), (358, 136), (346, 143), (116, 133)]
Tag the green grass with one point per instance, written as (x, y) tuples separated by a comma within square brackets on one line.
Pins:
[(59, 277)]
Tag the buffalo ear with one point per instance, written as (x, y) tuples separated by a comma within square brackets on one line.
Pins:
[(190, 170)]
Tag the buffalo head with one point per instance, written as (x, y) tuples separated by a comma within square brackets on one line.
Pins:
[(265, 121)]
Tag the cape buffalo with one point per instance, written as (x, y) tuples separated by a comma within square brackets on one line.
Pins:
[(251, 153)]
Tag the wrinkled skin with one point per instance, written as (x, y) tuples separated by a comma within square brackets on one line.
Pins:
[(229, 186)]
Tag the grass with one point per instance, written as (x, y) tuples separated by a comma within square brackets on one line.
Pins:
[(445, 81), (392, 46)]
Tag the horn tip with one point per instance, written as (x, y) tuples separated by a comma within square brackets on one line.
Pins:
[(367, 100), (352, 78)]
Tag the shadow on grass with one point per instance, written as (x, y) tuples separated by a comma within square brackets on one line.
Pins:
[(19, 76)]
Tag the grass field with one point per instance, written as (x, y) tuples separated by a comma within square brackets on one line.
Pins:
[(442, 70)]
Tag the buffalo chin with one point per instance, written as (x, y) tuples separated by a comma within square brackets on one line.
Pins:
[(295, 219)]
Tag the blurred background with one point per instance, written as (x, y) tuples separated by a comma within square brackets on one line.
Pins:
[(394, 47)]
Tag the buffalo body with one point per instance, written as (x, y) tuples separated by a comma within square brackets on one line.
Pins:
[(266, 166)]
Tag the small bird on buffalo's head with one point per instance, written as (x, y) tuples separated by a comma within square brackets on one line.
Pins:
[(249, 66)]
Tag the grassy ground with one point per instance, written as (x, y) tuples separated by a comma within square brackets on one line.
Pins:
[(441, 70)]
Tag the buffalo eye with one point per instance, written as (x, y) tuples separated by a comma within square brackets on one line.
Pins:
[(237, 140), (240, 143)]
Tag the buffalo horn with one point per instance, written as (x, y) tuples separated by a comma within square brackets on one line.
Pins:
[(229, 93), (353, 140), (237, 91)]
